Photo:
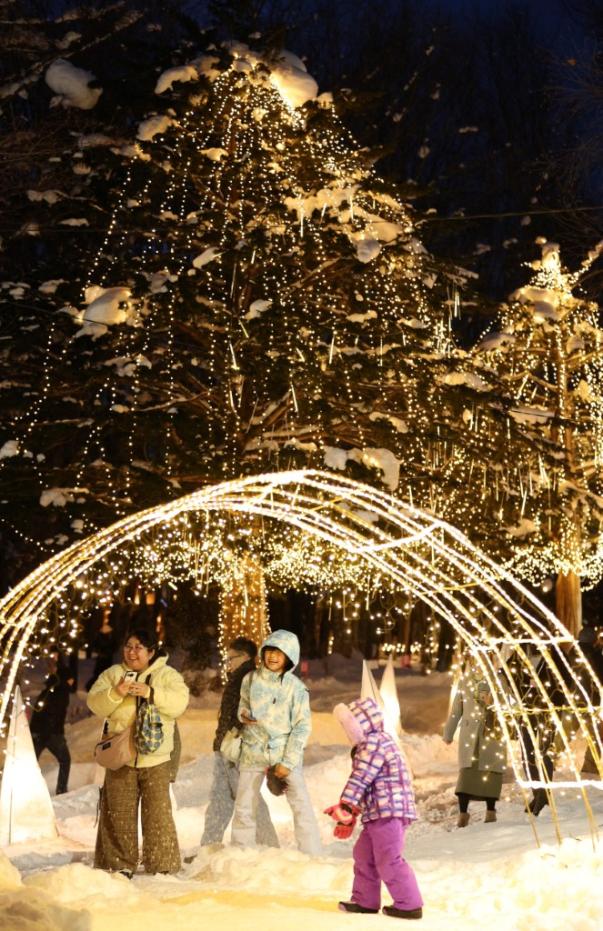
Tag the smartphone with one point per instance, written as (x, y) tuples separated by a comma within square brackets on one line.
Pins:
[(130, 675)]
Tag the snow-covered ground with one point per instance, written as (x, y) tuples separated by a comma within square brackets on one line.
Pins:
[(485, 876)]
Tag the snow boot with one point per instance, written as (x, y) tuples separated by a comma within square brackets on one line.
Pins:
[(394, 912), (463, 819), (490, 816), (538, 802), (356, 909)]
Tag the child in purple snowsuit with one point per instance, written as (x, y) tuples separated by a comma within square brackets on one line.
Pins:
[(380, 789)]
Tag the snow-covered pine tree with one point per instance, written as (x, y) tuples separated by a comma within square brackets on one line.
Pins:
[(258, 300), (547, 353)]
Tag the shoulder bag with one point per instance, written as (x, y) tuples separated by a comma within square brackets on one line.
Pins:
[(115, 750)]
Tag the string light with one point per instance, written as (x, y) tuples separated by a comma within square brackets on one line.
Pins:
[(443, 569)]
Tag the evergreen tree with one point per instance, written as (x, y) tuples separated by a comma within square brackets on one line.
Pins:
[(547, 353), (258, 300)]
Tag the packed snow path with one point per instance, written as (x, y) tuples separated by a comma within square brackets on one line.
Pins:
[(487, 875)]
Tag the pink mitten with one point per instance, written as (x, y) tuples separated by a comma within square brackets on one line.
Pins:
[(343, 831), (340, 813)]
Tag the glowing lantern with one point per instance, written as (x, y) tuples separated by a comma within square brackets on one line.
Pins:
[(389, 699), (26, 811)]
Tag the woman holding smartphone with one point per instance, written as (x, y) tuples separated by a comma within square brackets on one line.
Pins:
[(142, 676)]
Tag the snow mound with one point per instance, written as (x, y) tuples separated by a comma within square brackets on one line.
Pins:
[(72, 85), (272, 871), (76, 884)]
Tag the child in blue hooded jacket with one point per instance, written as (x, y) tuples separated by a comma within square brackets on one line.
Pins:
[(275, 710)]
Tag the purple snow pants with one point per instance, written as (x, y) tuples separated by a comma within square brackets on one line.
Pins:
[(378, 858)]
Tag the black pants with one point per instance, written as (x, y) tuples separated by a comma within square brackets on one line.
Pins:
[(57, 745), (533, 770)]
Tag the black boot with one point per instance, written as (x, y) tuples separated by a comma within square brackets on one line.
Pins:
[(394, 912), (357, 909), (538, 802)]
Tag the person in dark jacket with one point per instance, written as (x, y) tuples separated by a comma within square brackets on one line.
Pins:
[(241, 659), (47, 723), (103, 645), (591, 643)]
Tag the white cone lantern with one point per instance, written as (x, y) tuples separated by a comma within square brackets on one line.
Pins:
[(26, 811), (390, 706), (389, 698), (369, 688)]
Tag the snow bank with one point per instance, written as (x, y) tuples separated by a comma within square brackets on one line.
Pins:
[(487, 875), (72, 85), (76, 884), (23, 908)]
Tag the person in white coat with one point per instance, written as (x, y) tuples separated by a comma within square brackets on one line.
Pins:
[(482, 753), (275, 711)]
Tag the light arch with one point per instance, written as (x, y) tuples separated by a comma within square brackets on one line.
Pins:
[(504, 627)]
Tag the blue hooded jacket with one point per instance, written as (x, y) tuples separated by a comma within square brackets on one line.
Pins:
[(280, 705)]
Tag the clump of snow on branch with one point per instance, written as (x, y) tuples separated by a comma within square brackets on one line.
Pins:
[(9, 449), (153, 126), (208, 255), (288, 74), (58, 497), (71, 85), (180, 73), (527, 415), (367, 231), (464, 378), (373, 458), (522, 529), (106, 307)]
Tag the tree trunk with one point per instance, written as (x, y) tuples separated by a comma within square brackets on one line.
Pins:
[(568, 601), (243, 605)]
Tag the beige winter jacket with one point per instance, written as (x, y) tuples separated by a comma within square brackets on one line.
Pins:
[(170, 696), (476, 743)]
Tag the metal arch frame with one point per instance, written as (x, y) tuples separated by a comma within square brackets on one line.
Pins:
[(401, 542)]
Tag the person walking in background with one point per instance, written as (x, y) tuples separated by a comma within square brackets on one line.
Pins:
[(275, 711), (482, 753), (47, 724), (591, 643), (240, 660), (380, 791), (142, 676), (103, 645)]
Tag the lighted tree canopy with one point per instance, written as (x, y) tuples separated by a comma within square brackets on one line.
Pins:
[(547, 351), (236, 290)]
